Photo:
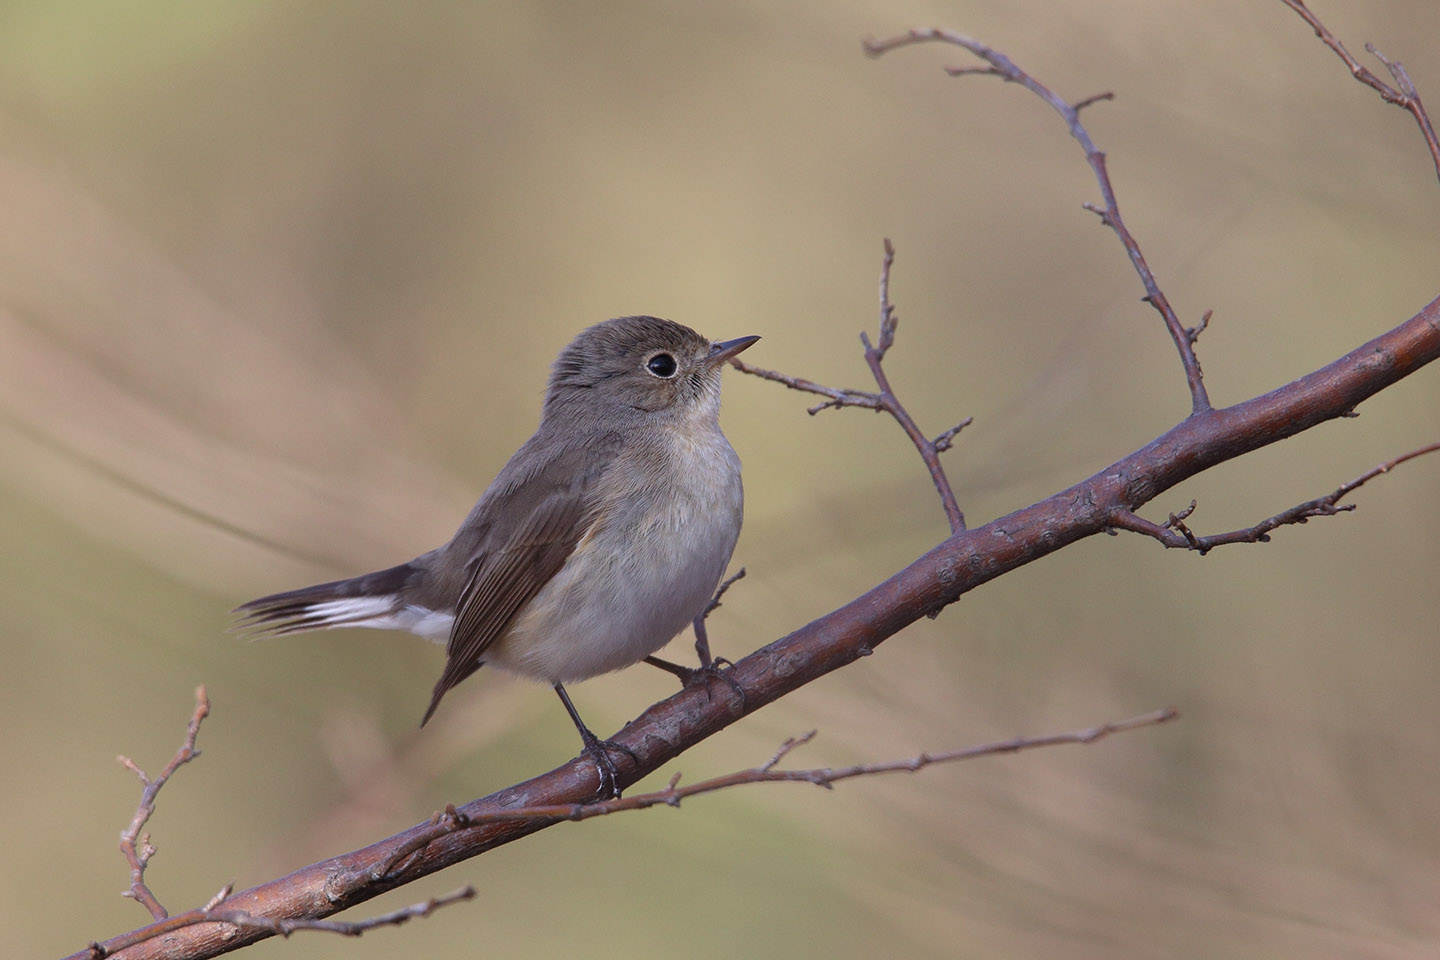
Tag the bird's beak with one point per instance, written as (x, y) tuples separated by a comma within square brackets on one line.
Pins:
[(723, 350)]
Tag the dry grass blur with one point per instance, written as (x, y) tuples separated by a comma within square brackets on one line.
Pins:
[(279, 284)]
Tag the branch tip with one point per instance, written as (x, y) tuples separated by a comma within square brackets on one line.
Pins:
[(1193, 333), (1406, 97), (137, 847), (1092, 100)]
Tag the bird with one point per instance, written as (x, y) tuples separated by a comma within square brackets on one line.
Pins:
[(601, 539)]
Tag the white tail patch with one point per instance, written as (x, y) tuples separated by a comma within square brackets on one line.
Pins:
[(379, 613)]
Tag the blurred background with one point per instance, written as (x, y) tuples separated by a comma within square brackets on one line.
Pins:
[(279, 288)]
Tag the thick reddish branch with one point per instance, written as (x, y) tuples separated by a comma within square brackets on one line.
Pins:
[(932, 582), (967, 559)]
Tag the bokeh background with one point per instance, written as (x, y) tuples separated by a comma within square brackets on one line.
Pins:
[(279, 286)]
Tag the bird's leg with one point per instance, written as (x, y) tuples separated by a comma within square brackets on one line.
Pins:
[(709, 669), (598, 750), (686, 674)]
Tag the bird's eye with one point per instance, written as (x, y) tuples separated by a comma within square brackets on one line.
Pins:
[(662, 365)]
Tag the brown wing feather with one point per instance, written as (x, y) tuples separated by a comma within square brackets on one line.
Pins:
[(538, 518)]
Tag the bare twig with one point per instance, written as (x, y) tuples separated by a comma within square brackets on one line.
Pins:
[(888, 319), (885, 400), (138, 850), (842, 397), (1406, 97), (725, 585), (1175, 533), (281, 926), (874, 357), (943, 441), (450, 820), (1004, 67), (780, 753), (354, 928), (1193, 333)]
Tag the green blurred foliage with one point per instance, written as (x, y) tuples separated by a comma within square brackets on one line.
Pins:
[(280, 285)]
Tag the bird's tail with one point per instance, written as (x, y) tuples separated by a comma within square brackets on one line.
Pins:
[(371, 600)]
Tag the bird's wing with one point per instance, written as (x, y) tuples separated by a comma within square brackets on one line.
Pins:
[(519, 536)]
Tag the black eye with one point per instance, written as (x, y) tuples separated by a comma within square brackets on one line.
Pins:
[(662, 365)]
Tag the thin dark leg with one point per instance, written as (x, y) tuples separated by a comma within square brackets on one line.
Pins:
[(687, 675), (598, 750), (709, 669)]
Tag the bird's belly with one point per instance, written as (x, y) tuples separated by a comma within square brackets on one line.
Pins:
[(640, 579)]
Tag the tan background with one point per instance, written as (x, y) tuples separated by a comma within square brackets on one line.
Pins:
[(279, 285)]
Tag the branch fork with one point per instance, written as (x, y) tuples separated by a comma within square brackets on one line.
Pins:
[(138, 849), (885, 400), (1174, 533)]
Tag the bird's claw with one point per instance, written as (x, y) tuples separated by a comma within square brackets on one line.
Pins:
[(599, 753)]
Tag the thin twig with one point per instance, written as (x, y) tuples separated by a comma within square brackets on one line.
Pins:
[(943, 441), (1406, 97), (1193, 333), (838, 397), (888, 319), (138, 850), (886, 399), (725, 585), (1004, 67), (214, 913), (353, 928), (780, 754), (1175, 533), (450, 820), (874, 358)]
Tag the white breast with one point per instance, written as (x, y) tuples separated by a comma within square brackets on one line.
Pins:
[(644, 572)]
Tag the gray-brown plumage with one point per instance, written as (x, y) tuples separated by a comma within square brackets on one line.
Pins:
[(602, 538)]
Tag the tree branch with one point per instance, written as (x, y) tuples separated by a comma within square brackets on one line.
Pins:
[(1003, 67), (451, 821), (240, 920), (1175, 533), (967, 559)]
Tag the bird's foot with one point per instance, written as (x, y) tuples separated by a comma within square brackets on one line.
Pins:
[(717, 669), (599, 753)]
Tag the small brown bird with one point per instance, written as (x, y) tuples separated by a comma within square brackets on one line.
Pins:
[(601, 539)]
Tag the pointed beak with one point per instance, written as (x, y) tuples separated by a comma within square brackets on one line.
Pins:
[(723, 350)]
